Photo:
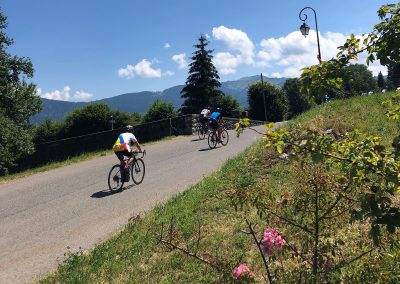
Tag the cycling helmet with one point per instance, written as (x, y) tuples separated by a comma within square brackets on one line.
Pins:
[(128, 128), (218, 109)]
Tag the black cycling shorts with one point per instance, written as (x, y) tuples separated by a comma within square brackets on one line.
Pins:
[(125, 153), (214, 124), (203, 119)]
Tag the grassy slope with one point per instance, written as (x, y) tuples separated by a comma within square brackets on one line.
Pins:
[(134, 256)]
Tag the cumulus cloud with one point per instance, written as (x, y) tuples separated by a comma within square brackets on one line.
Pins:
[(82, 96), (64, 95), (226, 63), (293, 52), (167, 45), (181, 60), (236, 41), (141, 69)]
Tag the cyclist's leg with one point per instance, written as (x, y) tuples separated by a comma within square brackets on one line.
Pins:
[(120, 156), (131, 157), (219, 132)]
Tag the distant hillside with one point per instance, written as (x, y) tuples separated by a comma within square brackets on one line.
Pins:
[(141, 101)]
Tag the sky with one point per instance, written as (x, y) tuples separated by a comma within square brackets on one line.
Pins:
[(85, 50)]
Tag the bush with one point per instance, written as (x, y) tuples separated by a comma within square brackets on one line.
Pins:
[(228, 104), (276, 102), (159, 110)]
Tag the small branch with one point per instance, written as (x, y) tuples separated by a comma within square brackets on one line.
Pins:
[(195, 255), (344, 263), (255, 130), (291, 222), (250, 226)]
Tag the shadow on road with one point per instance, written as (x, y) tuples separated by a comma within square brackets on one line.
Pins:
[(194, 140), (205, 149), (106, 192)]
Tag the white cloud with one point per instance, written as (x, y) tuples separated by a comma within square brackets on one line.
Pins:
[(56, 95), (225, 62), (168, 73), (167, 45), (181, 60), (82, 96), (141, 69), (64, 95), (293, 52), (236, 40)]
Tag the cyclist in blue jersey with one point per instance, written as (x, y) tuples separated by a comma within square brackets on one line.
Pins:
[(215, 122)]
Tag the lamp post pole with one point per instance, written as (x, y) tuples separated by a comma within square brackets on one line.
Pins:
[(263, 95), (305, 28)]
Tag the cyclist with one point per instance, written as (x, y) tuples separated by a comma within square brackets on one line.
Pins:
[(123, 145), (215, 122), (205, 116)]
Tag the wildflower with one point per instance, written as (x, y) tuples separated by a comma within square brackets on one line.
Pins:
[(242, 271), (272, 241)]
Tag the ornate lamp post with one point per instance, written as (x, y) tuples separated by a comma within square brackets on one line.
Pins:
[(304, 28)]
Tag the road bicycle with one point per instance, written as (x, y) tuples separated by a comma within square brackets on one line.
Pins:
[(202, 130), (118, 176), (213, 138)]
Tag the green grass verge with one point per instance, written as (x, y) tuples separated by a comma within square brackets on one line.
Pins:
[(71, 160), (135, 256)]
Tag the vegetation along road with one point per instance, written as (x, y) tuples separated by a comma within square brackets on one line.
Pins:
[(44, 216)]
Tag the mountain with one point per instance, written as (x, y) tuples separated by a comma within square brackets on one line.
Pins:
[(141, 101)]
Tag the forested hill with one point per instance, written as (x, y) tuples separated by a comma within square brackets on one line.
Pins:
[(140, 102)]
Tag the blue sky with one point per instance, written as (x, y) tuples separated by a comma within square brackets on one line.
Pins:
[(87, 50)]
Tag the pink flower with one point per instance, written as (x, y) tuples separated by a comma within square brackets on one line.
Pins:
[(241, 271), (272, 241)]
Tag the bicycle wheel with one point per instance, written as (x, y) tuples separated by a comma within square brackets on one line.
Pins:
[(200, 132), (137, 171), (224, 137), (115, 181), (212, 140)]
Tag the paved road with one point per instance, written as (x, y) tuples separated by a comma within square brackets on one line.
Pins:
[(43, 215)]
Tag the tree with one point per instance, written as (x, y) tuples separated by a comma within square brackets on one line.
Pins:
[(298, 102), (228, 105), (394, 74), (276, 102), (357, 79), (381, 81), (48, 130), (91, 118), (18, 102), (202, 82), (159, 110)]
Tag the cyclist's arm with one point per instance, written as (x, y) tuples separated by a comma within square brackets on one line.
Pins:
[(138, 146)]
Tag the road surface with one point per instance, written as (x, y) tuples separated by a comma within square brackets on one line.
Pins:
[(45, 215)]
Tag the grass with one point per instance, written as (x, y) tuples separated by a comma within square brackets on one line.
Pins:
[(72, 160), (206, 209)]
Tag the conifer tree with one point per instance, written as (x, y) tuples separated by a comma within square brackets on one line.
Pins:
[(203, 80), (381, 81)]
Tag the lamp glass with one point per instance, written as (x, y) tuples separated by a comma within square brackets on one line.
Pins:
[(304, 28)]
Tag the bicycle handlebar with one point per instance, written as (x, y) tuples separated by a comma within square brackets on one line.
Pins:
[(137, 153)]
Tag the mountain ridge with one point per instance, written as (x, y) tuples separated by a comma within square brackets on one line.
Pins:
[(141, 101)]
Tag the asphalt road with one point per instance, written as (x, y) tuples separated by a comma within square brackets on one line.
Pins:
[(45, 215)]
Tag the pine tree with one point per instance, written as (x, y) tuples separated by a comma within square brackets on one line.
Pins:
[(394, 74), (381, 81), (202, 82)]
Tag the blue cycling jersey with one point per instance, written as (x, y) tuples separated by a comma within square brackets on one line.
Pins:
[(214, 116)]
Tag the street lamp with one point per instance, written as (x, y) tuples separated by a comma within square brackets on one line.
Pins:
[(304, 28)]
